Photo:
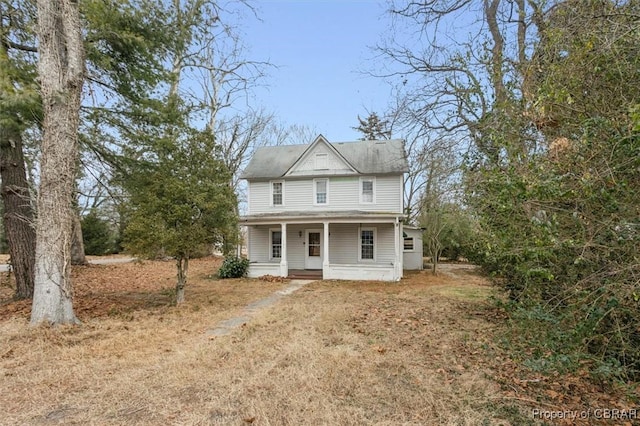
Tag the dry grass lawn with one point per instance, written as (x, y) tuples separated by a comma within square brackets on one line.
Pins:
[(416, 352)]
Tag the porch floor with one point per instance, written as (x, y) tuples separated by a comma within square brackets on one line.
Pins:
[(305, 274)]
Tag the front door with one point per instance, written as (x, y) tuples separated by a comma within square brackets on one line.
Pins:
[(313, 253)]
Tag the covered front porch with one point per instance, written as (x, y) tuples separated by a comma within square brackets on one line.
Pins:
[(365, 246)]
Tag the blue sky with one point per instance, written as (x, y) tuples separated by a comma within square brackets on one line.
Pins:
[(321, 49)]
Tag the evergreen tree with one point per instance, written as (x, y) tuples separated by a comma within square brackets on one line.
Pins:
[(97, 235), (373, 128), (21, 109), (180, 200)]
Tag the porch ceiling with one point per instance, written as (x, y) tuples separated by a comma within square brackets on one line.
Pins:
[(321, 216)]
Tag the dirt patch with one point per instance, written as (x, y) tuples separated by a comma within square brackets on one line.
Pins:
[(421, 351)]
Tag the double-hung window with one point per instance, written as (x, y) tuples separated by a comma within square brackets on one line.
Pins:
[(276, 244), (277, 193), (320, 191), (367, 243), (367, 190)]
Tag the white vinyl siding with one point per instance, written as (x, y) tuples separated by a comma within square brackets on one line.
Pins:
[(385, 244), (295, 246), (342, 239), (412, 259), (299, 195), (258, 244)]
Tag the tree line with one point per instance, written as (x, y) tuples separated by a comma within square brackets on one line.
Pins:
[(525, 115)]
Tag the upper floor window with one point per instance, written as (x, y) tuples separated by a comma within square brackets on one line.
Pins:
[(321, 191), (277, 193), (367, 190), (321, 161)]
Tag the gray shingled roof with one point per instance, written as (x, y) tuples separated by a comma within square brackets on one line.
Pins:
[(367, 157)]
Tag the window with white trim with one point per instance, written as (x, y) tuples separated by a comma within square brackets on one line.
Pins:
[(367, 190), (277, 193), (408, 243), (276, 243), (367, 244), (320, 191)]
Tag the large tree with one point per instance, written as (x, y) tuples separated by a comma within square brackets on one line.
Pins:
[(180, 199), (61, 70), (20, 110), (180, 185), (125, 44), (459, 65)]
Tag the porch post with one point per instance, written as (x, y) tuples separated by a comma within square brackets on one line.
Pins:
[(284, 269), (397, 268), (325, 250), (248, 240)]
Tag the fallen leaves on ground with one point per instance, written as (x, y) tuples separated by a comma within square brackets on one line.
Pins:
[(273, 279), (425, 330), (102, 290)]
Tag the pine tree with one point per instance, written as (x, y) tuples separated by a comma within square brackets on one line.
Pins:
[(373, 128)]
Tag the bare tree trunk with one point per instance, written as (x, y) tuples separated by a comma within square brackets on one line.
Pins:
[(18, 212), (182, 263), (77, 244), (497, 74), (435, 250), (61, 74)]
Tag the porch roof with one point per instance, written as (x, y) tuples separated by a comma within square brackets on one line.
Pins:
[(343, 216)]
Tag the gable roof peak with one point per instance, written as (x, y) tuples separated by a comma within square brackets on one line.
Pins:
[(312, 146), (319, 138), (364, 157)]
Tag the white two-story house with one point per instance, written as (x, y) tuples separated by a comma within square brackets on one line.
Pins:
[(334, 208)]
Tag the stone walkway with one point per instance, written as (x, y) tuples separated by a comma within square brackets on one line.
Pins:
[(226, 327)]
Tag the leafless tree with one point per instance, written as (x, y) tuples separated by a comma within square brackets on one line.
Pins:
[(461, 65), (227, 79)]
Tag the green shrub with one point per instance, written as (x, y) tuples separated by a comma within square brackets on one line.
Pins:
[(234, 267)]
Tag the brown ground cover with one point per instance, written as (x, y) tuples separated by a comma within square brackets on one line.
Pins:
[(422, 351)]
